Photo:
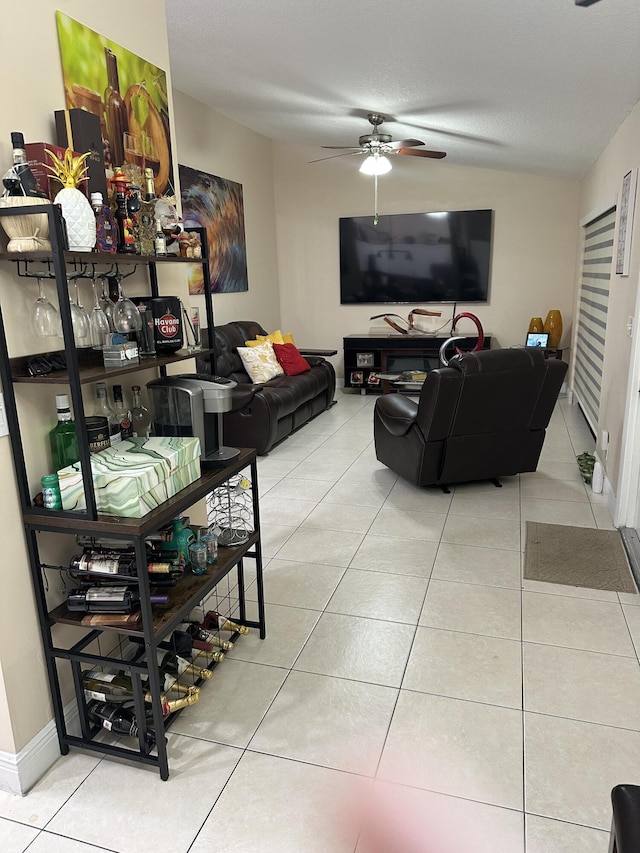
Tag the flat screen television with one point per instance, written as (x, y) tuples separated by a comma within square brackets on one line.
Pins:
[(416, 257)]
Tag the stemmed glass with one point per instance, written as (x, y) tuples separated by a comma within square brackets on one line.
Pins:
[(126, 317), (79, 320), (98, 322), (45, 319)]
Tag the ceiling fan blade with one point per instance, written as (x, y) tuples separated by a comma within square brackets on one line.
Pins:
[(405, 143), (434, 155), (333, 156)]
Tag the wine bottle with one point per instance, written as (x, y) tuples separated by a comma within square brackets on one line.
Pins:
[(122, 721), (199, 634), (180, 643), (115, 110), (160, 241), (108, 599), (20, 180), (62, 438), (113, 687), (122, 413), (113, 563), (217, 622), (140, 416), (147, 215), (176, 666)]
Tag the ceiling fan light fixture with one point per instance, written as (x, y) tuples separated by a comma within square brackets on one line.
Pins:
[(375, 164)]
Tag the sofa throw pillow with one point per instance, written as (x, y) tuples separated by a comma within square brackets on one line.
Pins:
[(273, 338), (287, 337), (290, 359), (260, 362)]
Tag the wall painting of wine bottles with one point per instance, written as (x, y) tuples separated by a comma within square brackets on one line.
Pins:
[(126, 92), (217, 205)]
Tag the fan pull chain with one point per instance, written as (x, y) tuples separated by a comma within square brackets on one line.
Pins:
[(375, 200)]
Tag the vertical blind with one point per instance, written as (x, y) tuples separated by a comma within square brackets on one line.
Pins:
[(597, 258)]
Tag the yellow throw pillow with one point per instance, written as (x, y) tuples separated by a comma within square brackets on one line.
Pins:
[(273, 338), (287, 338), (260, 362)]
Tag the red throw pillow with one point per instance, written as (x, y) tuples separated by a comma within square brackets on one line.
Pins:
[(290, 359)]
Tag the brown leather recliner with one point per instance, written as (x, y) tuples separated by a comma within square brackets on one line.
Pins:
[(482, 417)]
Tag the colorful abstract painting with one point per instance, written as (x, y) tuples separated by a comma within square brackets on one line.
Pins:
[(216, 205), (126, 92)]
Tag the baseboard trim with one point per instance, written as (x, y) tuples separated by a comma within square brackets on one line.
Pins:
[(20, 772)]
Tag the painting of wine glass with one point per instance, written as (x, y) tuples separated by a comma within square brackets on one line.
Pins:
[(216, 204), (127, 93)]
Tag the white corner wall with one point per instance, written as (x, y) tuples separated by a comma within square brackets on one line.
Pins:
[(535, 239)]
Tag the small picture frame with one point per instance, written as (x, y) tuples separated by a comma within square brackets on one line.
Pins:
[(625, 221), (356, 377), (364, 359), (373, 379)]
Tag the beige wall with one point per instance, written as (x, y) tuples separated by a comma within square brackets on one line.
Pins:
[(602, 183), (210, 142), (28, 104), (533, 266)]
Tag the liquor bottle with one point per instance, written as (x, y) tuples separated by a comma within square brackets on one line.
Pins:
[(126, 237), (106, 228), (160, 242), (115, 111), (134, 203), (122, 413), (62, 438), (113, 563), (122, 721), (20, 180), (181, 537), (108, 599), (140, 416), (147, 216), (201, 635), (102, 409), (214, 621)]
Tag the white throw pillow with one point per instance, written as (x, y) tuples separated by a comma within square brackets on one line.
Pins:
[(260, 362)]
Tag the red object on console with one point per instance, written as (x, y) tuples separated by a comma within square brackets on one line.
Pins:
[(478, 325), (290, 359)]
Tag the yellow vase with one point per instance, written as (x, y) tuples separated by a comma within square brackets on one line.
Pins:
[(553, 325), (536, 325)]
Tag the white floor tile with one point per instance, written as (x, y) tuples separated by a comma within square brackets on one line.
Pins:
[(329, 516), (48, 842), (477, 565), (409, 524), (327, 547), (273, 805), (472, 609), (553, 836), (378, 595), (465, 749), (327, 721), (288, 629), (498, 533), (306, 585), (16, 837), (395, 555)]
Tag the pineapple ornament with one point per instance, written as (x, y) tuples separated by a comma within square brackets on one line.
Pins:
[(76, 209)]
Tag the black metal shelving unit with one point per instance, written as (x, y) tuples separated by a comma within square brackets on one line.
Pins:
[(86, 367)]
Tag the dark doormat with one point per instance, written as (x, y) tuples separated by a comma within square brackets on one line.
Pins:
[(577, 556)]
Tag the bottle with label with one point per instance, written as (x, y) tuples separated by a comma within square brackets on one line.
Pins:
[(122, 413), (140, 416), (160, 244), (115, 687), (62, 438), (181, 537), (104, 410), (106, 228), (126, 236), (216, 622), (20, 180), (147, 216), (51, 497), (115, 718), (115, 111)]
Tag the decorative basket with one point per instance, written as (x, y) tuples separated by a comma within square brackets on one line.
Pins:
[(29, 232)]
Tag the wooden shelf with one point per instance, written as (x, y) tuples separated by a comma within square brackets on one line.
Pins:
[(184, 596), (92, 368), (39, 518)]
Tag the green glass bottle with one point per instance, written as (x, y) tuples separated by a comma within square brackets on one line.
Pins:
[(181, 537), (63, 439)]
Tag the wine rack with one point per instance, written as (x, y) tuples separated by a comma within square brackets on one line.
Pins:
[(224, 581)]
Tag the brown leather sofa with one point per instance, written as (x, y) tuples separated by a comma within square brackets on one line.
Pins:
[(263, 415), (482, 417)]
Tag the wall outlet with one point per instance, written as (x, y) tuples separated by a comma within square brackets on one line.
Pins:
[(629, 326), (604, 439)]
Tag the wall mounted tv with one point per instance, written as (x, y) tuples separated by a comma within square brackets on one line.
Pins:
[(416, 257)]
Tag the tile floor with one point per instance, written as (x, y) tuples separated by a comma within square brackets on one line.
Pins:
[(402, 644)]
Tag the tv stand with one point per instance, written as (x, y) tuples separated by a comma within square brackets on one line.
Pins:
[(365, 356)]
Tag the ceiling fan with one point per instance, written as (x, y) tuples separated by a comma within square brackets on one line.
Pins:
[(377, 145)]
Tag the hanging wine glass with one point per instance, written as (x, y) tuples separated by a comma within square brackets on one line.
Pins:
[(98, 323), (45, 319), (79, 321), (126, 317)]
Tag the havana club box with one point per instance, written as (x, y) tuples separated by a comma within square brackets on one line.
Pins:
[(134, 476)]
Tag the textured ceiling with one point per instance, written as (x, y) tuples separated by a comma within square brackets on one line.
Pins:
[(535, 86)]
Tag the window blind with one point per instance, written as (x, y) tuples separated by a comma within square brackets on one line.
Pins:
[(597, 258)]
